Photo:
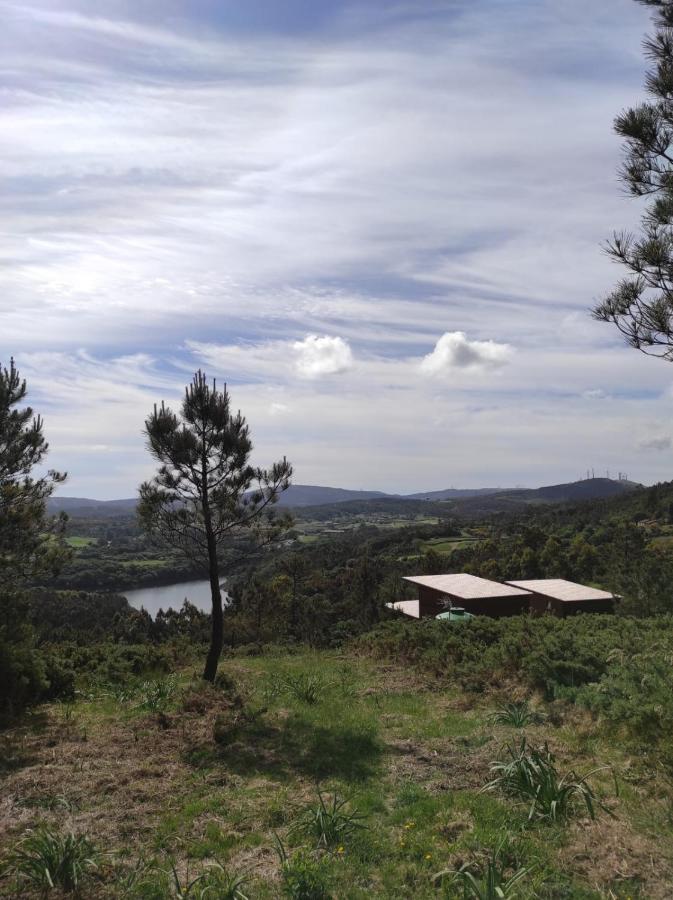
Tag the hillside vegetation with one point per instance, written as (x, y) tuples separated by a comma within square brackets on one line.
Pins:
[(322, 774)]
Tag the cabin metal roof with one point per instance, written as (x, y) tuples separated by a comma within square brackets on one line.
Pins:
[(467, 587), (560, 589)]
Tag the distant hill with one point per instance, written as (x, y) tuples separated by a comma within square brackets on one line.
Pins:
[(313, 495), (573, 492), (470, 500), (587, 489), (389, 506), (296, 495), (78, 507), (452, 494)]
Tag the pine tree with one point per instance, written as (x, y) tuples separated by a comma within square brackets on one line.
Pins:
[(205, 493), (641, 305), (29, 544)]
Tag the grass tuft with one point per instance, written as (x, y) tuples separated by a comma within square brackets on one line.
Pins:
[(48, 859), (155, 696), (489, 883), (530, 774), (306, 687), (329, 824), (516, 714)]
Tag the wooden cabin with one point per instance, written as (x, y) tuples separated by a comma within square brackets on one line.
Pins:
[(483, 597), (479, 596)]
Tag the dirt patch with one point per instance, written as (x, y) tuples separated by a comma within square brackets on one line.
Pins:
[(608, 853), (447, 765), (401, 680), (119, 778)]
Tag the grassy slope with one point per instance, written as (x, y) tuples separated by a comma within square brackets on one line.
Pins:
[(411, 758)]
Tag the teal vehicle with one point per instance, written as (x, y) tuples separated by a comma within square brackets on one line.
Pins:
[(457, 614)]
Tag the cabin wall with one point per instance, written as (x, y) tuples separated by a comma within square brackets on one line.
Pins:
[(541, 605), (497, 607), (432, 602)]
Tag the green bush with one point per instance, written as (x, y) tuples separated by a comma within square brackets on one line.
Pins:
[(636, 692), (30, 675), (556, 656), (108, 663), (584, 659)]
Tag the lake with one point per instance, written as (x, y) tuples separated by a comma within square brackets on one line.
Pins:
[(172, 596)]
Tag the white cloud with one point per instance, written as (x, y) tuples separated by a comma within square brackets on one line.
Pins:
[(316, 356), (277, 361), (655, 443), (455, 351)]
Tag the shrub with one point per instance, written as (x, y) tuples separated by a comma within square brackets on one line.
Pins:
[(31, 675), (636, 692), (530, 774), (109, 664), (585, 659), (48, 859)]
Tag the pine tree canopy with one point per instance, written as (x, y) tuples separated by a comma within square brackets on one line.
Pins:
[(205, 484), (641, 304)]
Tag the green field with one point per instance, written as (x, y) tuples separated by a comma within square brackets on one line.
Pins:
[(78, 542), (157, 563), (446, 544)]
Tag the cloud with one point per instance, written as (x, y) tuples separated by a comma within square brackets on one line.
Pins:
[(595, 394), (317, 356), (455, 351), (276, 361), (655, 443)]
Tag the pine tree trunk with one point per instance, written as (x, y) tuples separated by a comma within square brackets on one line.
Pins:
[(217, 633)]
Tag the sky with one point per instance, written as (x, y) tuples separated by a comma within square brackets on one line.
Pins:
[(380, 223)]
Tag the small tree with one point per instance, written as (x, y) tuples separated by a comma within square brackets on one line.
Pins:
[(641, 305), (206, 493)]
